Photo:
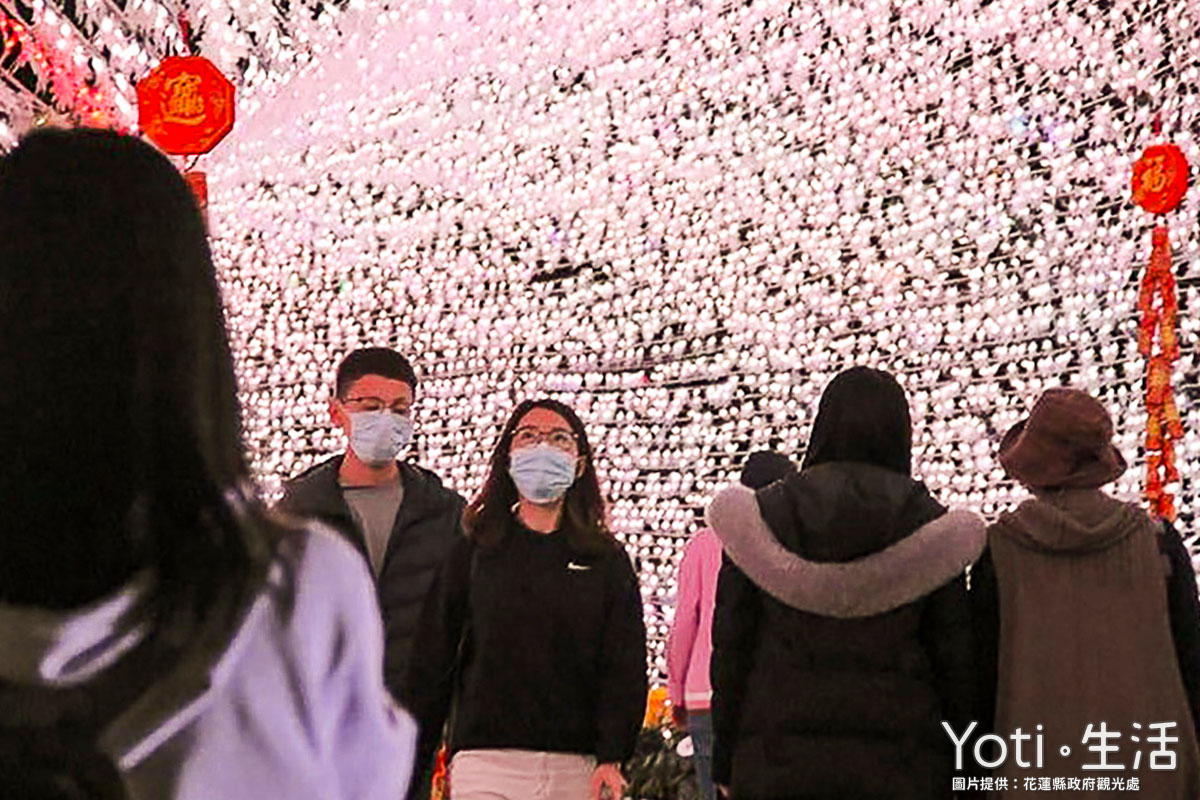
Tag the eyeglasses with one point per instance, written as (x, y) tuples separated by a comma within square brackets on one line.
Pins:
[(556, 437), (401, 407)]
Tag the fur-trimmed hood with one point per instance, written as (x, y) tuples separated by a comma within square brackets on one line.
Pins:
[(879, 563)]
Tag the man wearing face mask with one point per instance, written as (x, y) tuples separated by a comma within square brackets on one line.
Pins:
[(398, 515)]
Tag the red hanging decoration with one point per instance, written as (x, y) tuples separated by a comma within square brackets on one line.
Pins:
[(185, 105), (79, 93), (10, 40), (1160, 180), (441, 777), (198, 182)]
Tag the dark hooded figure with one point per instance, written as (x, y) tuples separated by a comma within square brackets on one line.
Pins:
[(842, 632), (1086, 614)]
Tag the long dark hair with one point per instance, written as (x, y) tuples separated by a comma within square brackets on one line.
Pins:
[(863, 417), (488, 517), (121, 436)]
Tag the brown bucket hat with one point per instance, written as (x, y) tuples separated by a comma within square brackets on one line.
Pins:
[(1064, 443)]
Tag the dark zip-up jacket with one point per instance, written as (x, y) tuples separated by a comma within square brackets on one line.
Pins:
[(553, 651), (427, 525)]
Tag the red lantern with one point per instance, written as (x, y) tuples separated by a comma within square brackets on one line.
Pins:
[(1160, 178), (185, 105)]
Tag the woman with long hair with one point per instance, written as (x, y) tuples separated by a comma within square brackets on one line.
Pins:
[(842, 636), (161, 635), (531, 643)]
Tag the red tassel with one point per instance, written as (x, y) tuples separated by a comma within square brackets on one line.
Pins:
[(1159, 309), (441, 777)]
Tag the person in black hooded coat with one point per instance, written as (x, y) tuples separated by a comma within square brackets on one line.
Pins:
[(842, 633)]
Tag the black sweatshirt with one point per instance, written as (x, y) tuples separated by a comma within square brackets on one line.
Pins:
[(553, 658)]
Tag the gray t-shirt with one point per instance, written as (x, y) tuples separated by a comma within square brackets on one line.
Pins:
[(374, 509)]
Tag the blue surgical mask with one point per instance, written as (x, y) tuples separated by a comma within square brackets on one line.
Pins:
[(377, 437), (542, 473)]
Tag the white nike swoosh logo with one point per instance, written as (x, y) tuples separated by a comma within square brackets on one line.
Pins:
[(573, 565)]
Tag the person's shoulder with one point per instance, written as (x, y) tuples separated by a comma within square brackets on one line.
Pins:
[(1177, 558), (329, 558), (317, 477), (427, 483), (316, 472), (1166, 533), (614, 556), (325, 611), (320, 581)]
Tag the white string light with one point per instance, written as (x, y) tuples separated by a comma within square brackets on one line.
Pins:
[(683, 218)]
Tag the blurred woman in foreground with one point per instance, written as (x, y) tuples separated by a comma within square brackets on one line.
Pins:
[(160, 635)]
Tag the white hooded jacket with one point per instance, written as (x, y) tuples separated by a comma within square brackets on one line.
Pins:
[(292, 706)]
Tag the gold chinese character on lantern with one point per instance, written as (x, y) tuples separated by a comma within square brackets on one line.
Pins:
[(1157, 176), (1160, 178), (184, 101)]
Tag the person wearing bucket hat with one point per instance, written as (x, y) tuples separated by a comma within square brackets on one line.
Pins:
[(1065, 443), (1085, 607)]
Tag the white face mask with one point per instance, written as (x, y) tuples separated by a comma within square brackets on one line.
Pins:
[(377, 437), (543, 473)]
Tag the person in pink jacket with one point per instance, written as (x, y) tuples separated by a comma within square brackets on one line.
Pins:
[(689, 646)]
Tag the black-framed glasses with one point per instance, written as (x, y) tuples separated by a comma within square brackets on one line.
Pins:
[(528, 436), (401, 407)]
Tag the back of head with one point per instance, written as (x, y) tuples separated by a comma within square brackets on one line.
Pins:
[(121, 434), (764, 467), (863, 417)]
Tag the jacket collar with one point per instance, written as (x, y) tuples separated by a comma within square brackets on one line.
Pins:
[(321, 494), (926, 560)]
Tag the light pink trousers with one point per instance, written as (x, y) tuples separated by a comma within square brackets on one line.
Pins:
[(520, 775)]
